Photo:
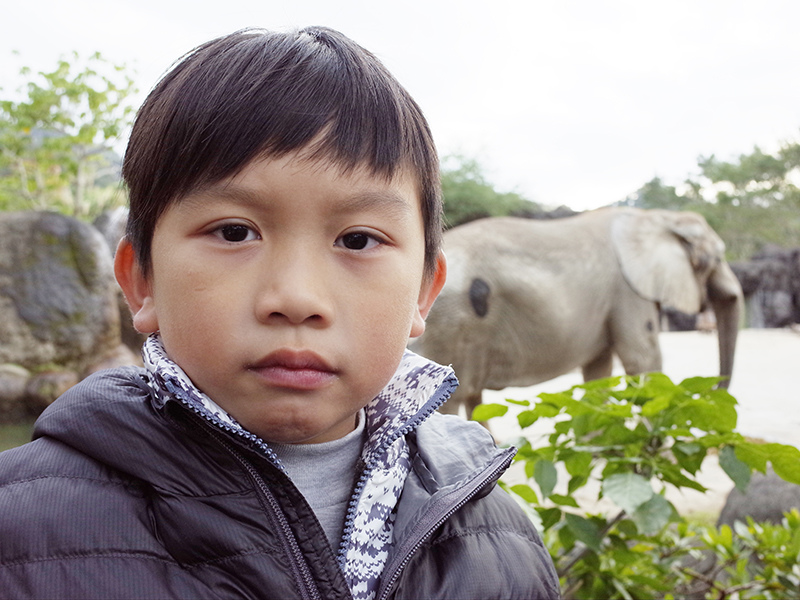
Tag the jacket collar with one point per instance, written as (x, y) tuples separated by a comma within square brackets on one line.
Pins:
[(418, 387)]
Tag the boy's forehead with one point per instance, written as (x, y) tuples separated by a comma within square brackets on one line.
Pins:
[(362, 188)]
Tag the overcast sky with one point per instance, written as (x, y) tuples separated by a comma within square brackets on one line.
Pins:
[(574, 102)]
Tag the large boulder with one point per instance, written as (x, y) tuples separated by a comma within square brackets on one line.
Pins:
[(771, 285), (58, 296), (766, 499), (111, 224)]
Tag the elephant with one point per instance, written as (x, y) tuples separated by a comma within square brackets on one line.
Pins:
[(528, 300)]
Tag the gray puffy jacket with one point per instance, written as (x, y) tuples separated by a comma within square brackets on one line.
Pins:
[(120, 497)]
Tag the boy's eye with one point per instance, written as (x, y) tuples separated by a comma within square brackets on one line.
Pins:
[(236, 233), (357, 240)]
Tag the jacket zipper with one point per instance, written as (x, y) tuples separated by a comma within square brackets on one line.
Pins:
[(463, 495), (302, 574), (437, 399)]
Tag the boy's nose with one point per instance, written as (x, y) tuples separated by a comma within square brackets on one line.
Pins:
[(294, 291)]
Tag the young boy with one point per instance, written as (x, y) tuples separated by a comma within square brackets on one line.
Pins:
[(282, 247)]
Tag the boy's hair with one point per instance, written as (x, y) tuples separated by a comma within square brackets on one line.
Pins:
[(257, 93)]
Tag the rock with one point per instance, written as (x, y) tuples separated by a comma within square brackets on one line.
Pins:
[(771, 285), (766, 499), (58, 296), (13, 380), (43, 388), (121, 357), (111, 224)]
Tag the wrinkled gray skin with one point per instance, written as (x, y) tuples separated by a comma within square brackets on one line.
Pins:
[(526, 300)]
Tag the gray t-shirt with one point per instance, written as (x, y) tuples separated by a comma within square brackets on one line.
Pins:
[(325, 474)]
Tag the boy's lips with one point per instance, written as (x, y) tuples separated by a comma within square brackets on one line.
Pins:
[(300, 370)]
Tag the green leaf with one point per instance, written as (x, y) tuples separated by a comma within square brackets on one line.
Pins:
[(754, 455), (575, 483), (653, 515), (690, 456), (607, 383), (563, 500), (549, 516), (699, 385), (579, 463), (672, 474), (709, 416), (546, 410), (627, 528), (737, 470), (558, 400), (546, 476), (785, 461), (627, 490), (567, 538), (527, 418), (484, 412), (655, 406), (518, 402), (525, 492), (584, 530)]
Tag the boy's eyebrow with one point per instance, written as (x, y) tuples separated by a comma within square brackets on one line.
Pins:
[(388, 201)]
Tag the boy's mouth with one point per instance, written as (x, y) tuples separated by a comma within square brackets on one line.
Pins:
[(293, 369)]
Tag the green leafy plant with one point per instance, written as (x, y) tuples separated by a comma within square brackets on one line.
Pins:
[(626, 440), (57, 135)]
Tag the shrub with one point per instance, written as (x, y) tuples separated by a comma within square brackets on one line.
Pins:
[(633, 437)]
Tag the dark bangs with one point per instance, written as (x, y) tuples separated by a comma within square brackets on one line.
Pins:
[(258, 93)]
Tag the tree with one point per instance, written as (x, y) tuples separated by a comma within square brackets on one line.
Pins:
[(654, 194), (56, 142), (469, 196), (756, 179), (751, 201)]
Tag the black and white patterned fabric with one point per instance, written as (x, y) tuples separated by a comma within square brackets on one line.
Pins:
[(417, 389)]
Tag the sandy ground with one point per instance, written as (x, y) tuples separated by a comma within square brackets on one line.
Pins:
[(763, 383)]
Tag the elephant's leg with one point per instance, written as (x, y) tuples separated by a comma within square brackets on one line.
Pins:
[(471, 401), (600, 366), (635, 338)]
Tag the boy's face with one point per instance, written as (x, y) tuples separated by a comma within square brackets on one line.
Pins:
[(288, 292)]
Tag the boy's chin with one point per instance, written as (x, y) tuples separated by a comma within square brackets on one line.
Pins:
[(306, 433)]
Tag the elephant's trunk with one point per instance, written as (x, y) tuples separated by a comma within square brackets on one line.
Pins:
[(725, 296)]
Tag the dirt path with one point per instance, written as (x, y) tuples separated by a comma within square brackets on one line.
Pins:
[(767, 360)]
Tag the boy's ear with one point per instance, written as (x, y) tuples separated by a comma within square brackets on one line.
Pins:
[(136, 288), (430, 290)]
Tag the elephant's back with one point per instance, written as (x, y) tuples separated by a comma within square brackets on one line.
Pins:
[(510, 300)]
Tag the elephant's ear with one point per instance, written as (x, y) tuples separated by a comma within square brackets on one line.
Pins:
[(653, 248)]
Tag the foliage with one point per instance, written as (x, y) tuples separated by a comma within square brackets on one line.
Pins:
[(751, 201), (654, 194), (469, 196), (15, 434), (56, 141), (758, 178), (626, 440)]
